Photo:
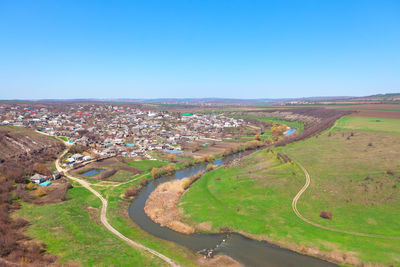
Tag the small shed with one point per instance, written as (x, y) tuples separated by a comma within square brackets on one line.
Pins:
[(46, 183)]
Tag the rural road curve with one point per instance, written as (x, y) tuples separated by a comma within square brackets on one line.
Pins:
[(103, 213), (298, 214)]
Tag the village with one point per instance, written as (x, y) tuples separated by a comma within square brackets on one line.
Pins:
[(112, 130)]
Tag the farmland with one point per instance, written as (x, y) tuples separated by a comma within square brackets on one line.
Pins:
[(353, 176)]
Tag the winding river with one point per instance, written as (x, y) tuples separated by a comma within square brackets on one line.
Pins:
[(247, 251)]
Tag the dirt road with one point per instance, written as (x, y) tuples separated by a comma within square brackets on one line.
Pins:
[(298, 214), (103, 214)]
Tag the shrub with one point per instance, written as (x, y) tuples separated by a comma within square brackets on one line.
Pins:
[(106, 174), (40, 192), (210, 167), (132, 192), (171, 157), (390, 172), (19, 223), (326, 215), (31, 186), (186, 184)]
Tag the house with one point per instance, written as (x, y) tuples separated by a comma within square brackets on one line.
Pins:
[(38, 178), (77, 157), (56, 175), (87, 158)]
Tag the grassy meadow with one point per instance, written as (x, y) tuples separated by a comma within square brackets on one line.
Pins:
[(145, 165), (72, 230), (353, 175)]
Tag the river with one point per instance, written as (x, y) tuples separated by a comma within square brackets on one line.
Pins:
[(247, 251)]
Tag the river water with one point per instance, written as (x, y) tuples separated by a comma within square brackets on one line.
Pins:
[(247, 251)]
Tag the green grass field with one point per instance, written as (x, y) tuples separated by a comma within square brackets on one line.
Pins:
[(368, 124), (72, 231), (354, 177), (145, 165)]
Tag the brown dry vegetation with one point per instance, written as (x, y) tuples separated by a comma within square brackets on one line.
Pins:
[(161, 205), (377, 114), (23, 152), (219, 147)]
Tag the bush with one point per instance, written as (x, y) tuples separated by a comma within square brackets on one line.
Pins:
[(390, 172), (186, 184), (132, 192), (326, 215), (106, 174), (19, 223), (210, 167), (31, 186), (40, 192)]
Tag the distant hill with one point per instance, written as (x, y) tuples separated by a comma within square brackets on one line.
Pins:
[(215, 100)]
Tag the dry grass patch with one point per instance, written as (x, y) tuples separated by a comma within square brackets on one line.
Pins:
[(161, 205)]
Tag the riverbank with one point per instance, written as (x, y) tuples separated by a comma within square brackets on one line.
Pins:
[(246, 251), (161, 206), (254, 197)]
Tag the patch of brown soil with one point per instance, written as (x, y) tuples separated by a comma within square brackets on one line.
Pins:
[(161, 205), (372, 106), (218, 260), (377, 114)]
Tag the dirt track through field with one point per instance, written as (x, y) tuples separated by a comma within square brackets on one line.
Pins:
[(103, 214), (298, 214)]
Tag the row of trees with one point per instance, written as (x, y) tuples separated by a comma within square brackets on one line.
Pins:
[(166, 170), (247, 146)]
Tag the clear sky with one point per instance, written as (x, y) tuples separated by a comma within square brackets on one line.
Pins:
[(198, 48)]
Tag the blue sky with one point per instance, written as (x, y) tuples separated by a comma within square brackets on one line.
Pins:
[(217, 48)]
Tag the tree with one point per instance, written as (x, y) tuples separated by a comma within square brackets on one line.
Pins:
[(257, 137), (155, 173), (278, 130), (172, 157), (41, 168)]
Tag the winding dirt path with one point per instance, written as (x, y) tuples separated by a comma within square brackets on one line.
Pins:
[(103, 214), (298, 214)]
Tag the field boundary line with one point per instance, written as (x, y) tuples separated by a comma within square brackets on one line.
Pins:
[(298, 214)]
